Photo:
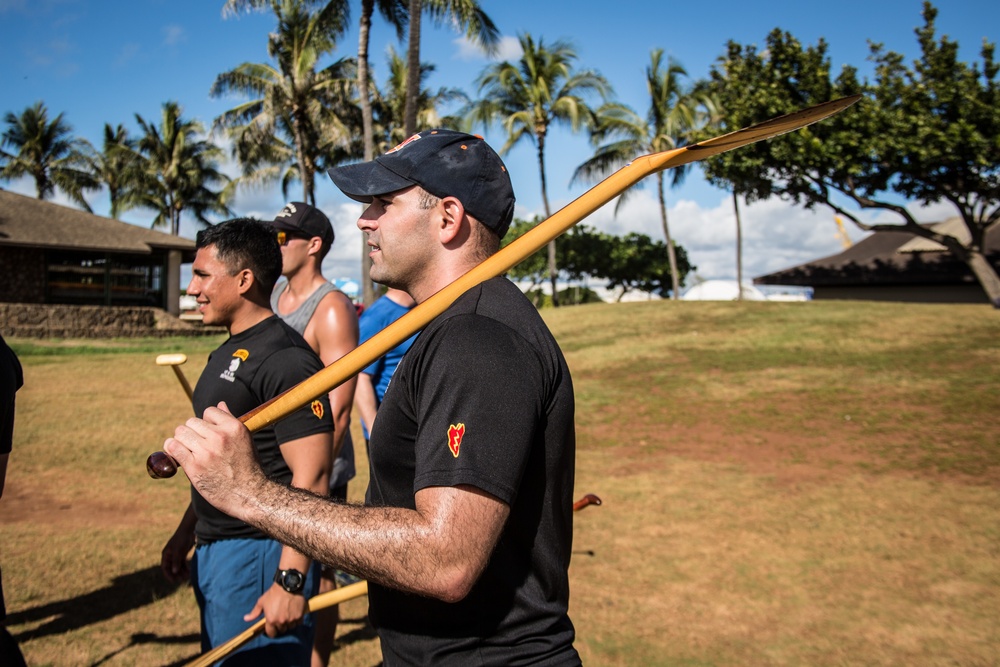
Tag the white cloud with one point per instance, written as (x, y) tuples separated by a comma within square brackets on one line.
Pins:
[(344, 259), (127, 54), (12, 6), (508, 49), (776, 235), (173, 34)]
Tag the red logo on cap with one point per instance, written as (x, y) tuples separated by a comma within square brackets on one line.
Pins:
[(455, 434), (399, 146)]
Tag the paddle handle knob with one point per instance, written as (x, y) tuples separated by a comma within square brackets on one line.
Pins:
[(159, 465)]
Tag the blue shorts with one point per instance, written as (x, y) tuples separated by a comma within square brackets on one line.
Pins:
[(229, 576)]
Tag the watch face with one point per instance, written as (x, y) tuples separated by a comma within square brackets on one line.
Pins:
[(291, 580), (294, 580)]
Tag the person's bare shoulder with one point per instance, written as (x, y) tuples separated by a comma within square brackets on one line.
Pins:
[(335, 325)]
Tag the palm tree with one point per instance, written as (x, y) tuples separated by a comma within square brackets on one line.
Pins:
[(299, 119), (675, 113), (391, 104), (47, 152), (177, 171), (465, 14), (394, 12), (116, 166), (529, 96)]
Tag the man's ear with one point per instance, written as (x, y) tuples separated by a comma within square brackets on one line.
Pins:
[(315, 245), (246, 280), (452, 220)]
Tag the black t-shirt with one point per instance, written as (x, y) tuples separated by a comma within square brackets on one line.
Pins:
[(11, 379), (483, 398), (246, 371)]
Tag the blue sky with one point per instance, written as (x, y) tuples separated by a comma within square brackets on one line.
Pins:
[(105, 61)]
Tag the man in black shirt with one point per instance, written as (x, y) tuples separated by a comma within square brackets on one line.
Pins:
[(466, 533), (237, 571)]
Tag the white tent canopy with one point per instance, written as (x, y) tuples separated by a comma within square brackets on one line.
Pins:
[(722, 290)]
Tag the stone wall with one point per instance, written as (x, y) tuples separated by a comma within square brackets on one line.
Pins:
[(58, 321)]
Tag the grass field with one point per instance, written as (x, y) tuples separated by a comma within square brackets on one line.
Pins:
[(783, 484)]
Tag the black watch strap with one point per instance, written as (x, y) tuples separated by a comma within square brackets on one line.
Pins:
[(292, 581)]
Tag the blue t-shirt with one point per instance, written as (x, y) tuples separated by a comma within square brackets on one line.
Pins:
[(376, 317)]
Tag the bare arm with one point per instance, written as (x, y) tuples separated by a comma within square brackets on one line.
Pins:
[(365, 400), (333, 332), (309, 459), (439, 549), (173, 558)]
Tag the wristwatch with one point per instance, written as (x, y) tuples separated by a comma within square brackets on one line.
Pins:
[(292, 581)]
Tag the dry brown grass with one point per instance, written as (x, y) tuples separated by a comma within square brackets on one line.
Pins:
[(783, 484)]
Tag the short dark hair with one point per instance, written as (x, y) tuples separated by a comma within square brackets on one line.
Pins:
[(245, 243)]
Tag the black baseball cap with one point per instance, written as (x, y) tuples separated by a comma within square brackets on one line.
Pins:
[(443, 162), (300, 218)]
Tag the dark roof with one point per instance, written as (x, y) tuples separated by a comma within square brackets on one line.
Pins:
[(33, 223), (878, 260)]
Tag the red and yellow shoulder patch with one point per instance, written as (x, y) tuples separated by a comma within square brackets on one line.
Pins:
[(317, 408), (455, 434)]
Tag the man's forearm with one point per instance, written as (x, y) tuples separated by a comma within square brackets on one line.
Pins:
[(395, 547), (341, 425), (365, 400)]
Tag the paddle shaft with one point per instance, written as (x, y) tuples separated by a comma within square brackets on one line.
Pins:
[(321, 601), (520, 249)]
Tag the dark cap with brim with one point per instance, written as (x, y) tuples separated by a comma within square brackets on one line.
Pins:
[(303, 219), (445, 163)]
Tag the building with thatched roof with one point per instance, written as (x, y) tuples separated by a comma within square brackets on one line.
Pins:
[(51, 254), (894, 266)]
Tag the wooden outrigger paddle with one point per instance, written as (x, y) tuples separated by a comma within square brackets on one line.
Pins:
[(160, 465), (318, 602), (321, 601)]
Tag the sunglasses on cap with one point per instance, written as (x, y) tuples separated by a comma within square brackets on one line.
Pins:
[(284, 237)]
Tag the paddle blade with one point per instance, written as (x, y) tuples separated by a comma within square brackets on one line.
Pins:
[(748, 135)]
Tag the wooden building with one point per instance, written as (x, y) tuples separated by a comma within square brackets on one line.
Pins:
[(894, 266), (51, 254)]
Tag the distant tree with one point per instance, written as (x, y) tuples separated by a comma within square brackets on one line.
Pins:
[(676, 112), (116, 167), (927, 132), (466, 15), (534, 267), (300, 119), (627, 263), (527, 97), (178, 171), (47, 152)]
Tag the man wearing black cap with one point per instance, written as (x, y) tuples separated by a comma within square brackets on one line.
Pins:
[(326, 318), (466, 533)]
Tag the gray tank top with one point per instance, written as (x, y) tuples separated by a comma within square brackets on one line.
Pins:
[(298, 319)]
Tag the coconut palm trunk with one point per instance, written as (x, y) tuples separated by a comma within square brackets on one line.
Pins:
[(368, 130), (739, 247), (413, 67), (675, 283), (553, 266)]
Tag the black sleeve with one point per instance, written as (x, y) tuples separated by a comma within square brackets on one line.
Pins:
[(282, 371), (479, 397)]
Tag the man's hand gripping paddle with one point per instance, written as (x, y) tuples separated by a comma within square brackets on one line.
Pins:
[(160, 465)]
